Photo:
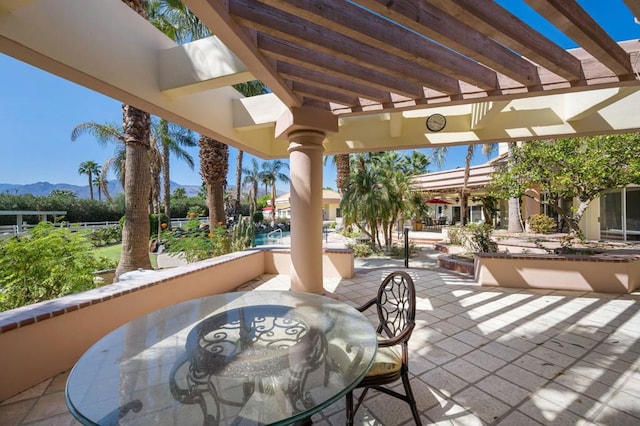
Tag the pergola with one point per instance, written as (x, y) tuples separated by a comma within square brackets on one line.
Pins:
[(345, 76)]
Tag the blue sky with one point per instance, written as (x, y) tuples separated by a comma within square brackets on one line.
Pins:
[(38, 111)]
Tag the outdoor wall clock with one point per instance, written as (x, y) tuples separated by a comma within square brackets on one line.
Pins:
[(436, 122)]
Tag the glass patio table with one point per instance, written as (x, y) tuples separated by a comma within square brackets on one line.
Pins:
[(259, 357)]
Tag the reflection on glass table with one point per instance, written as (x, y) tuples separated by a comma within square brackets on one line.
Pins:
[(260, 357)]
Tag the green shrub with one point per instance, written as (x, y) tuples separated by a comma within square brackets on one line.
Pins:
[(478, 238), (541, 223), (220, 241), (361, 250), (351, 233), (456, 235), (46, 263), (153, 223), (104, 236), (195, 212), (257, 216), (398, 251), (195, 243)]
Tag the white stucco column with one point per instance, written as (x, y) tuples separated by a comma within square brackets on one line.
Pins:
[(305, 164)]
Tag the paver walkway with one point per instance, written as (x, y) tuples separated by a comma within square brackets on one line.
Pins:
[(478, 355)]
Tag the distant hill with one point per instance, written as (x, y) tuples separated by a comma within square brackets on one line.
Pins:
[(41, 189)]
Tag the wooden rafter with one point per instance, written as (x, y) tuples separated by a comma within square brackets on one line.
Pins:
[(325, 95), (494, 21), (372, 55), (286, 52), (431, 22), (576, 23), (634, 7), (356, 23), (313, 37), (295, 73)]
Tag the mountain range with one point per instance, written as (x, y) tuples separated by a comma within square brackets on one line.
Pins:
[(40, 189)]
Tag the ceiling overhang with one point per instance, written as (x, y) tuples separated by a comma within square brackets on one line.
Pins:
[(381, 77)]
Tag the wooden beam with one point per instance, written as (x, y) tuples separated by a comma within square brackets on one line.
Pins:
[(322, 94), (354, 22), (295, 73), (215, 15), (286, 52), (497, 23), (314, 37), (576, 23), (431, 22), (634, 7)]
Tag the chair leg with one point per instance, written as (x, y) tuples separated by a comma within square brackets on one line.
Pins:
[(349, 408), (410, 398)]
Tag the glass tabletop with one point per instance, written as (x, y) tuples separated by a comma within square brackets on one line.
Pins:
[(245, 358)]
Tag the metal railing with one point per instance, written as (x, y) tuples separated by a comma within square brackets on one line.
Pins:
[(273, 239)]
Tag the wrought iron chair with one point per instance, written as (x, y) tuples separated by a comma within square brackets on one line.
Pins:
[(396, 307)]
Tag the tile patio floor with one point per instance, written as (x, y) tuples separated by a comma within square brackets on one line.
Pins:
[(478, 356)]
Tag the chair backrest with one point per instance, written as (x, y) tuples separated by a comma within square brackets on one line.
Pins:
[(396, 304)]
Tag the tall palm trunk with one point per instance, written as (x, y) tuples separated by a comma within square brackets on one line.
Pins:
[(136, 126), (238, 181), (515, 217), (90, 185), (166, 176), (464, 193), (254, 196), (343, 169), (137, 186), (214, 165)]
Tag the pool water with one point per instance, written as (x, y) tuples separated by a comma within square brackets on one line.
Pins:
[(261, 239)]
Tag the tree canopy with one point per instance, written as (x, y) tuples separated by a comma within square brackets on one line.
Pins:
[(579, 168), (379, 193)]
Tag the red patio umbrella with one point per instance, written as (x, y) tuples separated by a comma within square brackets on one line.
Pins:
[(436, 201)]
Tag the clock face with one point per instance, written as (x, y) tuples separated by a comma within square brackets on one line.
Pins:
[(436, 122)]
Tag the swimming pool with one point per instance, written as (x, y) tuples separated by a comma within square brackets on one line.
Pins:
[(261, 239)]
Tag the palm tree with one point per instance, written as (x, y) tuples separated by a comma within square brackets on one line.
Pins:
[(271, 174), (176, 21), (214, 166), (105, 134), (179, 23), (364, 201), (252, 178), (438, 156), (343, 170), (169, 139), (91, 169), (97, 181), (251, 88), (136, 125), (380, 193), (515, 218), (487, 149)]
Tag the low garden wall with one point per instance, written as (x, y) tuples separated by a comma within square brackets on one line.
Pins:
[(41, 340), (605, 272)]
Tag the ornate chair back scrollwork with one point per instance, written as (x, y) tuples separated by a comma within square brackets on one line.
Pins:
[(396, 307)]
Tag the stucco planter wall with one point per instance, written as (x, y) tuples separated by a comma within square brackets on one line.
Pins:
[(40, 340), (605, 273)]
